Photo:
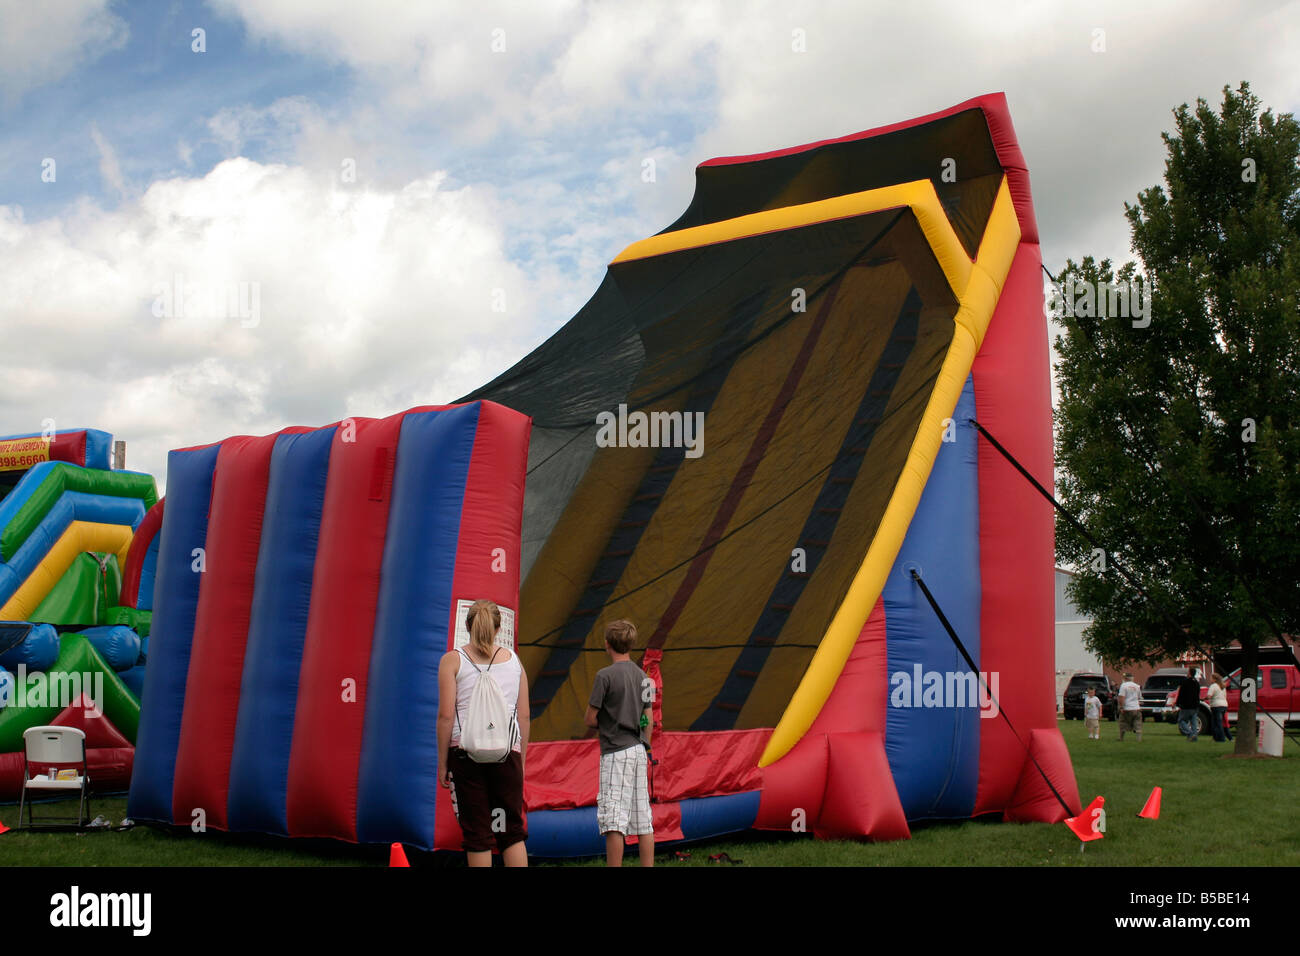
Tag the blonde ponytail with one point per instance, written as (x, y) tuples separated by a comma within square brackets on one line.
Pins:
[(483, 620)]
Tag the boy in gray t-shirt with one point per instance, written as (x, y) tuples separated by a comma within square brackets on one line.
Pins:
[(620, 707)]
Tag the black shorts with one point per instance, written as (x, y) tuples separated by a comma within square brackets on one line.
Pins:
[(489, 800)]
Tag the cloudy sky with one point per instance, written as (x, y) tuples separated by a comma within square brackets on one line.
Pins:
[(408, 197)]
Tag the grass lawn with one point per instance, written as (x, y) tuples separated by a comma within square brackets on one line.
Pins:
[(1216, 812)]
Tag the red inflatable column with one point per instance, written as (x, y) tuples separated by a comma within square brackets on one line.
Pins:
[(328, 721), (221, 630), (1017, 549)]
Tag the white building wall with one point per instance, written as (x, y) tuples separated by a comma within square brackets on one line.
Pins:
[(1071, 654)]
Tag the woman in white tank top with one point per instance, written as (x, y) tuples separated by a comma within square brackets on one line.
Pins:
[(479, 790), (501, 666)]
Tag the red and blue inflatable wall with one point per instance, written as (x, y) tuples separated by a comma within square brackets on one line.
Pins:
[(87, 447), (305, 593)]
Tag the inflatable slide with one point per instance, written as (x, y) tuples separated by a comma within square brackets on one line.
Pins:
[(67, 530), (757, 441), (750, 438)]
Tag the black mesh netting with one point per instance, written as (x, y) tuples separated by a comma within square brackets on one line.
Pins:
[(734, 555)]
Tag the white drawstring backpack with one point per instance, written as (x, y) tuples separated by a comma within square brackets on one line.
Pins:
[(487, 732)]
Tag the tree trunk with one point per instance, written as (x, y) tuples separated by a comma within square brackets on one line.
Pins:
[(1245, 736)]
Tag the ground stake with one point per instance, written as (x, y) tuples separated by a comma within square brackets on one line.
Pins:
[(1091, 823)]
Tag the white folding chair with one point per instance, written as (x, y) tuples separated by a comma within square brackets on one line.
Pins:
[(63, 748)]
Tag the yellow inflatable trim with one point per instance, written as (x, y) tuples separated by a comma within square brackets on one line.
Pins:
[(919, 196), (81, 536), (978, 297)]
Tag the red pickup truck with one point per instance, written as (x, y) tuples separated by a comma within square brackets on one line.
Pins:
[(1277, 692)]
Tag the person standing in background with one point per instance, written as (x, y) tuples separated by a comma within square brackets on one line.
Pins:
[(620, 708), (1129, 703), (1217, 698), (1189, 702), (1092, 714)]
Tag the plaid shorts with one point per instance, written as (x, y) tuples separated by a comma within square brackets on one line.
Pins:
[(623, 805)]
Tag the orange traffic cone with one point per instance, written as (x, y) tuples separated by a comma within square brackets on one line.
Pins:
[(1152, 809), (397, 856), (1091, 823), (3, 828)]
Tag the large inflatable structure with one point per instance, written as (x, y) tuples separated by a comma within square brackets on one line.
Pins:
[(757, 442), (76, 553), (832, 318), (307, 584)]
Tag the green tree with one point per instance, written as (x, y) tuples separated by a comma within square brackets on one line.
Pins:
[(1178, 431)]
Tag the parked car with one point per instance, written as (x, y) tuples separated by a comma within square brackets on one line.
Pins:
[(1077, 689), (1276, 692)]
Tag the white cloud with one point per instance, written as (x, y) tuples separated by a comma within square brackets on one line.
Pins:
[(110, 170), (285, 119), (376, 295), (1089, 122), (477, 63), (491, 66), (370, 301), (43, 42)]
